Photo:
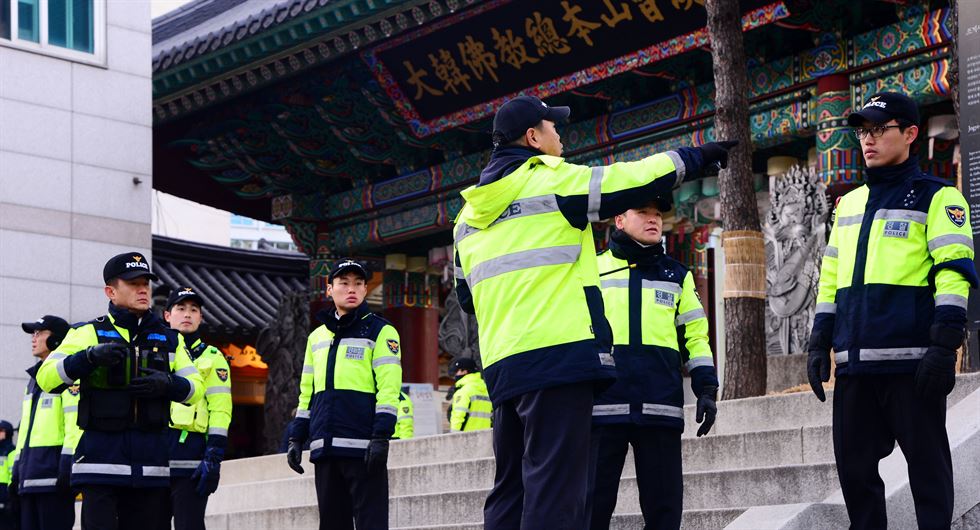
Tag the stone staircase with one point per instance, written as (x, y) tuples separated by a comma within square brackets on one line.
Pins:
[(772, 451)]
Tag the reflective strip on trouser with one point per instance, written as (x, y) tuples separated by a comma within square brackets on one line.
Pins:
[(655, 409), (39, 482), (611, 410), (882, 354), (525, 259), (184, 464), (101, 469)]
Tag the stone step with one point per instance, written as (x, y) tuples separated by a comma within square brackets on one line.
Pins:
[(777, 412), (703, 490), (690, 520), (307, 518), (754, 449)]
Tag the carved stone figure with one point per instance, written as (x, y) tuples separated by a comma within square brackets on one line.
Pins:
[(282, 345), (457, 331), (796, 234)]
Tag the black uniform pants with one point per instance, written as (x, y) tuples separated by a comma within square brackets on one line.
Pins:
[(348, 496), (186, 506), (657, 458), (119, 508), (541, 444), (47, 511), (871, 413)]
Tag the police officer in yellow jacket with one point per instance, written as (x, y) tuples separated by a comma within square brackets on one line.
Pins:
[(472, 410), (198, 432), (659, 327), (130, 366), (892, 304), (526, 265), (348, 405), (48, 434), (405, 426), (8, 512)]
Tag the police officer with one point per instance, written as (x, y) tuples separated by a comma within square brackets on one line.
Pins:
[(198, 432), (472, 410), (658, 327), (130, 366), (526, 265), (7, 513), (405, 427), (49, 433), (892, 304), (348, 405)]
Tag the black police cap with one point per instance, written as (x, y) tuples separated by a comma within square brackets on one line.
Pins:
[(886, 106), (183, 293), (518, 115), (348, 265), (127, 267), (57, 325), (463, 363)]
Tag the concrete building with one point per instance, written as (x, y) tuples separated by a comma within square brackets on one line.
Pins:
[(75, 162)]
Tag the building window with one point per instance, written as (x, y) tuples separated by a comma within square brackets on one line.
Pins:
[(71, 29)]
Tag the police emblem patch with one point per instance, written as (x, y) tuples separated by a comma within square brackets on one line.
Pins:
[(405, 410), (393, 346), (222, 374), (73, 390), (665, 298), (897, 229), (956, 214)]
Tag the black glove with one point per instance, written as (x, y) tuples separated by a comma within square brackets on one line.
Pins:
[(294, 456), (64, 473), (376, 456), (12, 488), (818, 371), (936, 375), (706, 410), (716, 153), (106, 354), (208, 472), (153, 384)]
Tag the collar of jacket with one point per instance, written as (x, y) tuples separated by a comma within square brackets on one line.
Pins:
[(624, 247), (485, 203), (504, 160), (463, 381), (336, 325), (893, 174)]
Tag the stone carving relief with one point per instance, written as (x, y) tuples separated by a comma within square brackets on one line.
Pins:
[(795, 232)]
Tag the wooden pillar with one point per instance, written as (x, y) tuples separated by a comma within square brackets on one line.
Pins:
[(418, 328)]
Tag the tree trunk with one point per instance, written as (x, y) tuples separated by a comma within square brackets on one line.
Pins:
[(282, 345), (745, 336)]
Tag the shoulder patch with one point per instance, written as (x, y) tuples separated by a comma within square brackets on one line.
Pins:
[(393, 346), (73, 390), (222, 374), (405, 409), (956, 214)]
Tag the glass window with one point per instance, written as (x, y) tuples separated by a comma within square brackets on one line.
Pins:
[(27, 20), (70, 24), (4, 20)]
